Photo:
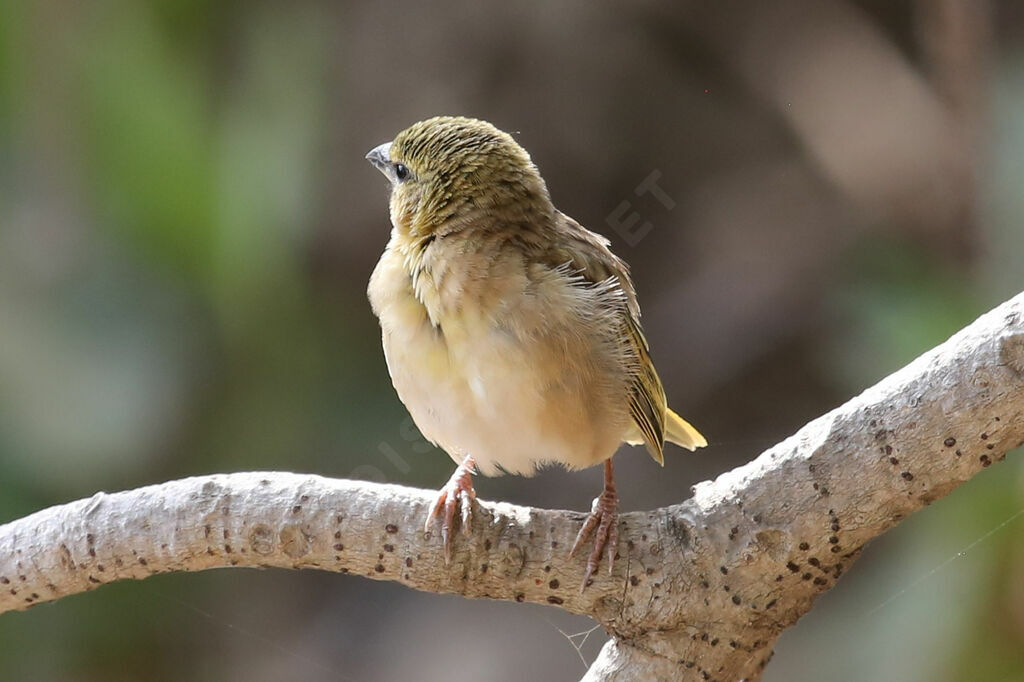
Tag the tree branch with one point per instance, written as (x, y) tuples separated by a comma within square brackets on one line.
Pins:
[(701, 590)]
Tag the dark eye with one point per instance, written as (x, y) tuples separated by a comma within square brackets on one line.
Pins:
[(401, 172)]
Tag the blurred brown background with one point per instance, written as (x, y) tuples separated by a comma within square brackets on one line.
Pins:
[(187, 226)]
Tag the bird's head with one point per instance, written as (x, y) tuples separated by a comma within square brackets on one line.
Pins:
[(448, 172)]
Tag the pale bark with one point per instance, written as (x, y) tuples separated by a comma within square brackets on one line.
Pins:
[(701, 590)]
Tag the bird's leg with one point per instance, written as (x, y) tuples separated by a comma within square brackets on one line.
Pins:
[(604, 517), (457, 492)]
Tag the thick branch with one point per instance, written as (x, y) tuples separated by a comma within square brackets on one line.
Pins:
[(701, 589)]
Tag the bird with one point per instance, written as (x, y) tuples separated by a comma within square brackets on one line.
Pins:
[(511, 333)]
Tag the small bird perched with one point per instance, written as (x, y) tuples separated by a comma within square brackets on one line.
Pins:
[(512, 333)]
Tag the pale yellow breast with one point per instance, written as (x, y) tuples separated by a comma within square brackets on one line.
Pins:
[(505, 361)]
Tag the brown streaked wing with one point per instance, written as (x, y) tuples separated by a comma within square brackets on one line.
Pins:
[(594, 262)]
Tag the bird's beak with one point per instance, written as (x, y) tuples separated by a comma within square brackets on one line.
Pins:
[(380, 158)]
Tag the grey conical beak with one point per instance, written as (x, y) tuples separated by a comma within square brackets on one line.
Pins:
[(379, 157)]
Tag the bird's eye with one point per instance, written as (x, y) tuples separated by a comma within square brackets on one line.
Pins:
[(401, 172)]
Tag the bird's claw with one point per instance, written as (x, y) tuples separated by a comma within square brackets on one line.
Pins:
[(602, 523), (457, 493)]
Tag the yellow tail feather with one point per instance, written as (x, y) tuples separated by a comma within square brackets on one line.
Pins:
[(680, 432), (677, 430)]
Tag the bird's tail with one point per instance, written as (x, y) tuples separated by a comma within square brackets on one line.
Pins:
[(680, 432)]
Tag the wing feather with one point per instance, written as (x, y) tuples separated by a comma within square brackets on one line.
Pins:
[(588, 255)]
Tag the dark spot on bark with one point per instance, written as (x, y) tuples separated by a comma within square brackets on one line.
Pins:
[(736, 599), (93, 580), (985, 461), (391, 528), (793, 567), (893, 461), (771, 604), (520, 597), (714, 642), (338, 547), (553, 584), (4, 580), (207, 530), (724, 570), (554, 544), (726, 588), (296, 509), (552, 599), (99, 567), (143, 561), (227, 549), (634, 581), (630, 545), (836, 549), (778, 578), (379, 568), (389, 548), (990, 446), (649, 571), (705, 584), (835, 526), (487, 544), (907, 476), (337, 535), (92, 552), (820, 581), (757, 518), (958, 453), (225, 534), (813, 561), (833, 540), (949, 442), (805, 576), (408, 563), (339, 518), (804, 546), (734, 532), (984, 436)]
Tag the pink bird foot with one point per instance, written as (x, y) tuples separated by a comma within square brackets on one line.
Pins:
[(603, 518), (458, 492)]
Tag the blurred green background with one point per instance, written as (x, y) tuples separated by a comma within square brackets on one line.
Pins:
[(187, 226)]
